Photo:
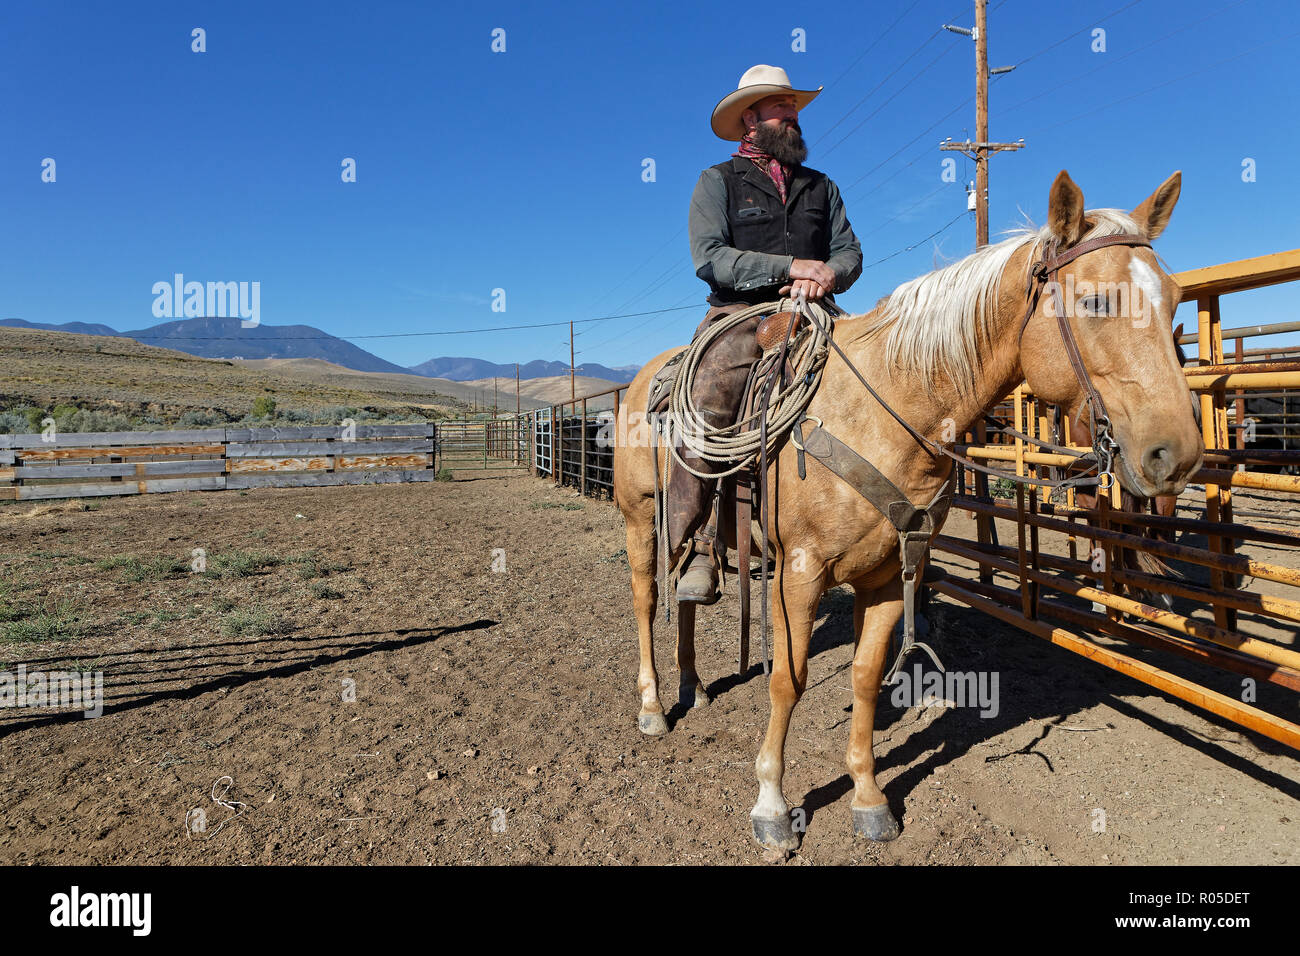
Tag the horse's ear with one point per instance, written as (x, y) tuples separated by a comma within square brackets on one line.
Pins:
[(1178, 331), (1153, 214), (1065, 210)]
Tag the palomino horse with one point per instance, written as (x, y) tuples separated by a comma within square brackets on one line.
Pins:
[(941, 350)]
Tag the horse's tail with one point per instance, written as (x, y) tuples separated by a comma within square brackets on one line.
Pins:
[(1152, 565)]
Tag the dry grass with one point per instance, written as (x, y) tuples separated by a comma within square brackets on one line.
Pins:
[(120, 375)]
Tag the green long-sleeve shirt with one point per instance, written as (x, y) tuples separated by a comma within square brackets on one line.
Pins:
[(741, 270)]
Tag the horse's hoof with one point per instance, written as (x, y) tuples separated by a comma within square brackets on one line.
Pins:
[(875, 823), (775, 833), (693, 696), (652, 725)]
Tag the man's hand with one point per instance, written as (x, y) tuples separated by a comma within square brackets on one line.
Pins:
[(814, 279), (806, 287)]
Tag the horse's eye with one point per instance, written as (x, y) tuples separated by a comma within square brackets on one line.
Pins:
[(1095, 305)]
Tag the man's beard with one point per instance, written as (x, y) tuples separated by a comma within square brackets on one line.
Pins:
[(783, 143)]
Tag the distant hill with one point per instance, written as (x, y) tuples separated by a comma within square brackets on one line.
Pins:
[(472, 369), (122, 376), (225, 338), (82, 328), (478, 393)]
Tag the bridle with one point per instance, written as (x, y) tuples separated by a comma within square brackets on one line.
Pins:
[(1043, 274), (1104, 446)]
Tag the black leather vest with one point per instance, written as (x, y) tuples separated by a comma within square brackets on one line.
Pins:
[(760, 223)]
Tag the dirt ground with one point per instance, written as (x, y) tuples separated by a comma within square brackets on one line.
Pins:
[(494, 718)]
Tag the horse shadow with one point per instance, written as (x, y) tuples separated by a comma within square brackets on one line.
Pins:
[(1040, 684), (199, 673)]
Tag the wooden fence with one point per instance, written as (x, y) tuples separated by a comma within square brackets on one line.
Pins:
[(89, 464)]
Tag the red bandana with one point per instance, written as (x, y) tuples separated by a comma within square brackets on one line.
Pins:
[(765, 162)]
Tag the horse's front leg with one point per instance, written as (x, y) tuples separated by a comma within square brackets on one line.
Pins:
[(794, 609), (874, 615)]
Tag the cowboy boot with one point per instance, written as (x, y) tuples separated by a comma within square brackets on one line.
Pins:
[(697, 581)]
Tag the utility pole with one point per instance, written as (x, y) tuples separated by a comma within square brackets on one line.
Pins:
[(979, 151), (516, 389), (981, 148), (494, 396), (573, 394)]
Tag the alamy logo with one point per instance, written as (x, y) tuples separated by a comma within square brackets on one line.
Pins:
[(224, 300), (947, 689), (55, 689), (103, 909)]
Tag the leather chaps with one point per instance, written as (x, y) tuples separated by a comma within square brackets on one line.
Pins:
[(719, 387)]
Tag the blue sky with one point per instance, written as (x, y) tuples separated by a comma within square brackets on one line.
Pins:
[(522, 170)]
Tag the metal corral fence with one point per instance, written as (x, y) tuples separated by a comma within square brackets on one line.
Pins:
[(494, 443), (1229, 606), (572, 443), (1251, 429), (91, 464)]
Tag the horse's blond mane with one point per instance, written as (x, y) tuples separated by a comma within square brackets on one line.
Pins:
[(938, 321)]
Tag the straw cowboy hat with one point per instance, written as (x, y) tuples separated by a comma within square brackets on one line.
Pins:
[(757, 82)]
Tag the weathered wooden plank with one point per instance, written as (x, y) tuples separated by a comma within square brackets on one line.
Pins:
[(406, 446), (211, 483), (36, 492), (310, 432), (144, 451), (327, 478), (122, 469), (246, 465), (7, 474), (385, 461), (6, 457), (93, 439), (32, 492)]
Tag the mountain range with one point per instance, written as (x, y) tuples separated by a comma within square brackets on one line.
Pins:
[(225, 338)]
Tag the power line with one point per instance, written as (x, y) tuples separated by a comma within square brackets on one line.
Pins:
[(919, 242), (1110, 63), (872, 47), (903, 212), (1176, 79), (1090, 26), (895, 95), (392, 335)]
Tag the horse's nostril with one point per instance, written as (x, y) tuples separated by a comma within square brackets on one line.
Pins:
[(1157, 463)]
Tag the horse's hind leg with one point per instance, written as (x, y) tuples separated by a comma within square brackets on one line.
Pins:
[(690, 692), (871, 816), (641, 558)]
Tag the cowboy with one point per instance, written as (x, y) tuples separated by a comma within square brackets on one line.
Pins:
[(762, 225)]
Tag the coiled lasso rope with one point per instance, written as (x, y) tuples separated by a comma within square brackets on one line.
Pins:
[(741, 445), (738, 445)]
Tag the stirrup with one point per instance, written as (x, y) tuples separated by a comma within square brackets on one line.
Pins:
[(697, 577)]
